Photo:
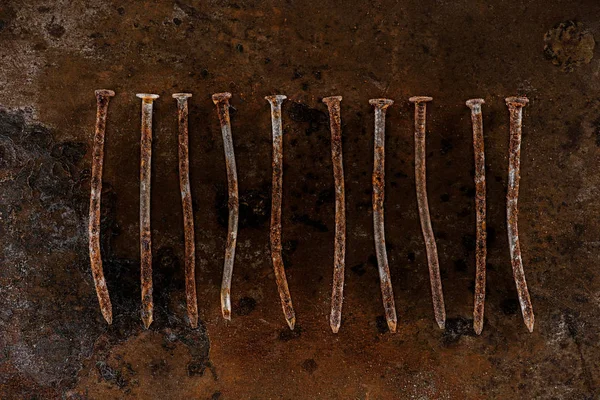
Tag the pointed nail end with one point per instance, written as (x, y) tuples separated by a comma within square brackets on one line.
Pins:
[(441, 323), (226, 314), (193, 322), (147, 322), (107, 316), (291, 323), (478, 329), (530, 324), (392, 326), (335, 328)]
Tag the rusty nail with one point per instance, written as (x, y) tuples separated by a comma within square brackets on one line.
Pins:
[(102, 99), (188, 213), (387, 291), (337, 294), (221, 100), (145, 233), (481, 248), (278, 268), (420, 179), (515, 107)]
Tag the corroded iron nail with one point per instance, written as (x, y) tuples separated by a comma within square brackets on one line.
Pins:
[(337, 293), (188, 213), (515, 107), (145, 233), (102, 99), (481, 248), (387, 291), (420, 179), (278, 268), (221, 100)]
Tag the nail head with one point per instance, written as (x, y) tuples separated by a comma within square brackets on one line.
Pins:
[(420, 99), (381, 103), (218, 97), (181, 95), (147, 96), (474, 102), (332, 99), (105, 93), (276, 98), (517, 101)]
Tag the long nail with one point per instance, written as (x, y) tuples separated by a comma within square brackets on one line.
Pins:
[(278, 268), (515, 107), (481, 248), (102, 99), (387, 292), (420, 177), (145, 233), (337, 293), (221, 100), (188, 213)]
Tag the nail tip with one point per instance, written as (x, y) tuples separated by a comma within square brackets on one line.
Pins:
[(291, 323)]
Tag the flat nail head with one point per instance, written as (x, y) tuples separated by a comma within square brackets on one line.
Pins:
[(473, 103), (105, 93), (332, 99), (420, 99), (181, 95), (381, 103), (276, 98), (517, 101), (147, 96), (219, 97)]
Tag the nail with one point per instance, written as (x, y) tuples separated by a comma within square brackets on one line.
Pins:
[(387, 292), (420, 177), (337, 294), (515, 107), (221, 100), (145, 233), (278, 268), (481, 247), (188, 212), (102, 99)]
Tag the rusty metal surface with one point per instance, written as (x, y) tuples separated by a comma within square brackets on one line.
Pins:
[(276, 199), (56, 344), (145, 224), (339, 252), (102, 98), (188, 212), (378, 180), (515, 108), (221, 100), (480, 224), (437, 294)]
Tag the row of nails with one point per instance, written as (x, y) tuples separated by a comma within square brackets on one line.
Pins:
[(221, 100)]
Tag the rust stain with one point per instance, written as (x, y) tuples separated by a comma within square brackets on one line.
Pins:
[(480, 194), (145, 232), (337, 292), (437, 294), (102, 98), (387, 291), (221, 100), (515, 108), (188, 213), (275, 231)]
